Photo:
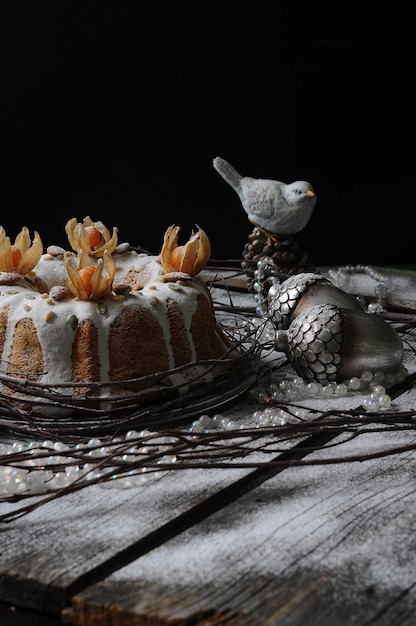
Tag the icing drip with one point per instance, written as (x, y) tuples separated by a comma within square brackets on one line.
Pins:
[(56, 322)]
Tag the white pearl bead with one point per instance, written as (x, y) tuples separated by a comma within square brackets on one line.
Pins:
[(314, 389), (341, 390), (353, 383), (327, 391)]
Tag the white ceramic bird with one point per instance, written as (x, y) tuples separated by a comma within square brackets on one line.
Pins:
[(273, 206)]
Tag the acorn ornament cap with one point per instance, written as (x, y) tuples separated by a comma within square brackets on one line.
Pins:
[(299, 292), (326, 343)]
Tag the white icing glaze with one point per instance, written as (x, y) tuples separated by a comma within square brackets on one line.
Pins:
[(159, 296), (52, 320), (52, 271)]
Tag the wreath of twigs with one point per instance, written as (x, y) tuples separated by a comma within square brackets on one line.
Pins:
[(170, 446), (86, 409), (30, 408)]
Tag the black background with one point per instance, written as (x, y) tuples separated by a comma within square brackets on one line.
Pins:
[(116, 110)]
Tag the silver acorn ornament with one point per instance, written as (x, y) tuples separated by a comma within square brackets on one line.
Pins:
[(326, 343), (301, 291)]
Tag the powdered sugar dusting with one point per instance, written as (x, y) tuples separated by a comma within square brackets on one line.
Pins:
[(315, 519)]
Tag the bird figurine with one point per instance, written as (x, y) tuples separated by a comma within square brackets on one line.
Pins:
[(272, 206)]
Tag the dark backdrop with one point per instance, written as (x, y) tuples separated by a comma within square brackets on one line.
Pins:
[(116, 110)]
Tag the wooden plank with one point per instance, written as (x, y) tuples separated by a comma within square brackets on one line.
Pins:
[(72, 543), (324, 544), (68, 554), (320, 544), (45, 554), (401, 285)]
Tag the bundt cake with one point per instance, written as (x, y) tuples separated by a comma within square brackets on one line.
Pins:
[(103, 312)]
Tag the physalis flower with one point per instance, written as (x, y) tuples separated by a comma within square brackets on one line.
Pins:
[(190, 258), (22, 256), (93, 238), (87, 281)]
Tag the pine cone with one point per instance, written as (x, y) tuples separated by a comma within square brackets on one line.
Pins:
[(285, 253)]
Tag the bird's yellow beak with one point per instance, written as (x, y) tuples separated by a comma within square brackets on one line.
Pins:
[(310, 193)]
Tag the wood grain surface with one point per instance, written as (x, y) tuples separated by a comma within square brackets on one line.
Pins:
[(322, 535)]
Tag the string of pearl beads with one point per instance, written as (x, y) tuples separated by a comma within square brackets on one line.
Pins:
[(53, 465), (287, 392), (341, 277)]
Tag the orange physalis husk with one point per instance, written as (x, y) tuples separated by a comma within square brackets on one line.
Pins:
[(79, 238), (86, 274), (16, 256), (190, 258), (94, 236), (101, 283), (30, 251)]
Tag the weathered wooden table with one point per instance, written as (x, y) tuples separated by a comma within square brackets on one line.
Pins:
[(313, 528)]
